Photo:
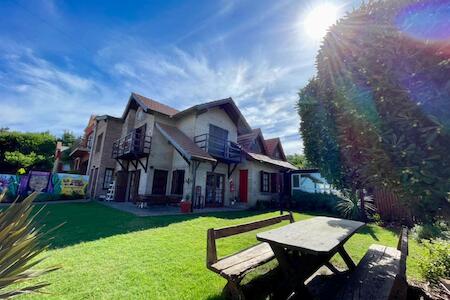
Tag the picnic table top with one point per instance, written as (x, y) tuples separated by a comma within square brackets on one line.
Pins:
[(318, 235)]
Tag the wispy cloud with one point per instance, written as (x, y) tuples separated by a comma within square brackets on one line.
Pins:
[(265, 92), (39, 96)]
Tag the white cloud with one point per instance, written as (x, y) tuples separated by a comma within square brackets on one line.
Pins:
[(266, 93), (38, 95)]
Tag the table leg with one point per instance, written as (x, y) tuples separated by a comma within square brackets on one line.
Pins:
[(347, 259), (297, 267)]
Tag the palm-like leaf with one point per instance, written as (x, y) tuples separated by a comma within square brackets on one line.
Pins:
[(21, 240), (349, 206)]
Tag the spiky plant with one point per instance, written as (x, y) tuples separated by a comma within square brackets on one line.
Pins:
[(349, 206), (21, 241)]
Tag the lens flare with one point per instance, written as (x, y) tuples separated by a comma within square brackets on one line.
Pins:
[(427, 20)]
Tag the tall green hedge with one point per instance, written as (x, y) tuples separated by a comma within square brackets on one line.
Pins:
[(377, 114)]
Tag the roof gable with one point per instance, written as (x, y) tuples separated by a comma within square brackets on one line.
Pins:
[(148, 105), (274, 146), (227, 105), (247, 141)]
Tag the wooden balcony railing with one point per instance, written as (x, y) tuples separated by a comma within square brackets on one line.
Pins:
[(219, 148), (134, 145)]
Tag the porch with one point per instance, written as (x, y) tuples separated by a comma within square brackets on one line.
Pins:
[(166, 210)]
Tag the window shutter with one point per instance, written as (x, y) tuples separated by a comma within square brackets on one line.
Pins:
[(273, 182), (261, 185)]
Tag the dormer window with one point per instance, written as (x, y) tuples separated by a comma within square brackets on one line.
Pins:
[(140, 114)]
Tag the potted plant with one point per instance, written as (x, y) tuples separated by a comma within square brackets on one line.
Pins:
[(186, 204)]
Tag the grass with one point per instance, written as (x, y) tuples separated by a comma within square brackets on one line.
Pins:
[(108, 254)]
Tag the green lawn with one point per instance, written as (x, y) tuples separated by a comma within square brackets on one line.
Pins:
[(107, 254)]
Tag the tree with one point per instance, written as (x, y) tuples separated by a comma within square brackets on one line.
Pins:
[(380, 99), (25, 149), (299, 160), (21, 160), (68, 138)]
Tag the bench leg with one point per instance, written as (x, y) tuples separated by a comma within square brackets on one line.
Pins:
[(233, 290)]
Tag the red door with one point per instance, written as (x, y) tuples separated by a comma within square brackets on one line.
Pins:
[(243, 185)]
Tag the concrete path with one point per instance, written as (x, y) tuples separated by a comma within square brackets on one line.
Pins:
[(162, 210)]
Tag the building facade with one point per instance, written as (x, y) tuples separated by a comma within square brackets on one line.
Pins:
[(207, 153)]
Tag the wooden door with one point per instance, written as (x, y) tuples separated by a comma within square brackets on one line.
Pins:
[(243, 185), (134, 185), (121, 186), (159, 182)]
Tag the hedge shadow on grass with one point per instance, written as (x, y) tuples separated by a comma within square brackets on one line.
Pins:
[(84, 222)]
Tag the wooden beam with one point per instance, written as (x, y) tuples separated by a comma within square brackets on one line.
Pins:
[(214, 166), (232, 170)]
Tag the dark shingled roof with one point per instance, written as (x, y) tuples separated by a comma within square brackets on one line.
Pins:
[(246, 140), (182, 143), (271, 145), (154, 105)]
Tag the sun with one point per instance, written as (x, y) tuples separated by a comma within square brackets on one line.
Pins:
[(319, 19)]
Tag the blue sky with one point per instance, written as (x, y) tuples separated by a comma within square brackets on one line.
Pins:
[(61, 61)]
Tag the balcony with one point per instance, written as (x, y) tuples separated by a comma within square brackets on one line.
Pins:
[(80, 148), (134, 145), (219, 148)]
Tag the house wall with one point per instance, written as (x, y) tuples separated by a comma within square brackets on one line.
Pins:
[(111, 130), (254, 181), (217, 117)]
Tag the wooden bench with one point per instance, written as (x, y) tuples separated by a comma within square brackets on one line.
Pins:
[(381, 273), (234, 267)]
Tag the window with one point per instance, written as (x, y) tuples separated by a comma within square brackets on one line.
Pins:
[(108, 179), (140, 114), (296, 181), (159, 182), (265, 182), (99, 143), (177, 182)]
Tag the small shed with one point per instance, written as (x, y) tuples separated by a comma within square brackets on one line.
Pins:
[(309, 181)]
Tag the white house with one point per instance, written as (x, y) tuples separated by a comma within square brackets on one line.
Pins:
[(207, 153)]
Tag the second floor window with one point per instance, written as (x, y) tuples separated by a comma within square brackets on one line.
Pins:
[(99, 143)]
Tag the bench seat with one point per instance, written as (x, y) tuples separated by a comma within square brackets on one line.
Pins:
[(374, 276), (239, 263)]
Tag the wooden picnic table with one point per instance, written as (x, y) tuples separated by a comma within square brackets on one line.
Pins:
[(301, 248)]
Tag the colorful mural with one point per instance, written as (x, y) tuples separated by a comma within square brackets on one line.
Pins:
[(53, 186)]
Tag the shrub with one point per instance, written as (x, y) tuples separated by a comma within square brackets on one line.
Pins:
[(431, 231), (436, 264), (319, 202), (349, 206)]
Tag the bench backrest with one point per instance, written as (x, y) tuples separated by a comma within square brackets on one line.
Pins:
[(400, 288), (214, 234)]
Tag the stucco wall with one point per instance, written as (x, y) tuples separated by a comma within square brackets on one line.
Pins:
[(254, 180), (217, 117)]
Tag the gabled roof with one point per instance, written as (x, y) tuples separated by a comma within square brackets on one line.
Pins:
[(272, 145), (247, 140), (266, 159), (183, 144), (226, 104), (148, 104)]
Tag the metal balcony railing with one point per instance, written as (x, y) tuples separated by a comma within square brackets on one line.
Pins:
[(218, 147), (135, 144)]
